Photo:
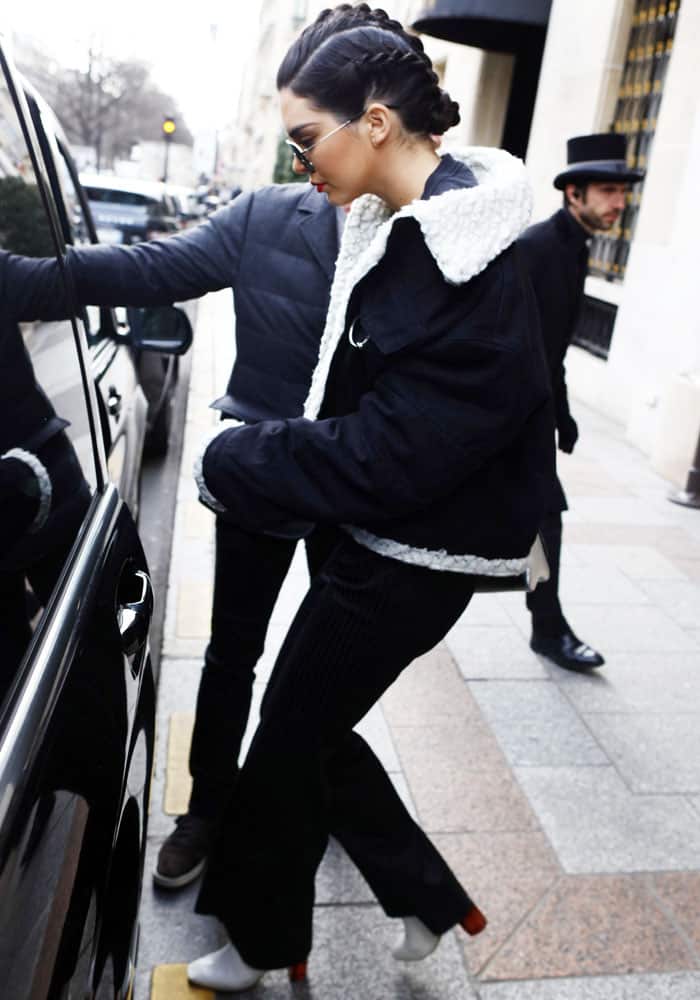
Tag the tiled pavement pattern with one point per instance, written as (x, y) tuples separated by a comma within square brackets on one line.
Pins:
[(569, 805)]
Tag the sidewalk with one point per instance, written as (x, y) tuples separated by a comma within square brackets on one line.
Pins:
[(569, 805)]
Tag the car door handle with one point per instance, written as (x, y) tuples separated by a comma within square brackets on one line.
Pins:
[(114, 401), (134, 613)]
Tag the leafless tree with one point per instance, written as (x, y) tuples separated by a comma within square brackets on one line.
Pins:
[(109, 105)]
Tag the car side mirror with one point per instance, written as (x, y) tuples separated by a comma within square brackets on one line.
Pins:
[(165, 329)]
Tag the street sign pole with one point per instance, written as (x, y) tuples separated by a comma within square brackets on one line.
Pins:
[(169, 127)]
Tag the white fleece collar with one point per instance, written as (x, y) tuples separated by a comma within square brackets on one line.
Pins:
[(464, 229)]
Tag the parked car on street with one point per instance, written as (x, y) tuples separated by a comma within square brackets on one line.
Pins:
[(189, 211), (77, 689), (128, 210)]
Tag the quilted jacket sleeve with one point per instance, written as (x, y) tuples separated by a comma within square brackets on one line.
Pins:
[(174, 269), (32, 288)]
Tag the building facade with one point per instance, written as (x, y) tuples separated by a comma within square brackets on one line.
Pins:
[(633, 66), (629, 66)]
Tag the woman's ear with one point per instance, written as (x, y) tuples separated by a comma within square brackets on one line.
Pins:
[(379, 123)]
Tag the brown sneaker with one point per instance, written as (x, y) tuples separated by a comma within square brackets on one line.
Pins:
[(184, 853)]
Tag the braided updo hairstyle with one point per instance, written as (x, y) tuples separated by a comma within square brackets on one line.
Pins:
[(351, 55)]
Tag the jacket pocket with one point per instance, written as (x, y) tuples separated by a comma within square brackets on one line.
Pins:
[(389, 334)]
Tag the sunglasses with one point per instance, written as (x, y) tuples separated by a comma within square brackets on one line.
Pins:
[(300, 152)]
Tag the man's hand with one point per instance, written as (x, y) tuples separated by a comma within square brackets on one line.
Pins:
[(567, 435)]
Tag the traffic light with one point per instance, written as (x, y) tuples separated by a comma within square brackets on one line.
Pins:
[(169, 128)]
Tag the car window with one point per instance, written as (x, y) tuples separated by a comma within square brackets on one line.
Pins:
[(110, 196), (79, 232), (48, 470)]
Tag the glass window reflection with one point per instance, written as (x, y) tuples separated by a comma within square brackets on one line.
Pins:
[(46, 456)]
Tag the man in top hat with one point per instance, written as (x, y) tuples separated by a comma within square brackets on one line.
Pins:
[(595, 186)]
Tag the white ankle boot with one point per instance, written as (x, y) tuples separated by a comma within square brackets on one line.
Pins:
[(223, 970), (418, 941)]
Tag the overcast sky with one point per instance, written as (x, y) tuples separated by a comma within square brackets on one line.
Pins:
[(176, 40)]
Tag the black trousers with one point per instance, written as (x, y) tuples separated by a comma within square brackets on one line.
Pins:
[(548, 620), (307, 774), (249, 572)]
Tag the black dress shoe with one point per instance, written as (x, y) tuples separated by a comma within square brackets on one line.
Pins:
[(567, 651)]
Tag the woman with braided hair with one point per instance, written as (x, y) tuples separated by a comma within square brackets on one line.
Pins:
[(423, 457)]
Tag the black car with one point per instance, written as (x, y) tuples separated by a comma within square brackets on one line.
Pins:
[(77, 688)]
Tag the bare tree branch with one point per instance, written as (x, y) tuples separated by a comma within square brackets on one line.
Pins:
[(110, 105)]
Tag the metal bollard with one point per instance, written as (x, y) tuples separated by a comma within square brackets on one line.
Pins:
[(690, 496)]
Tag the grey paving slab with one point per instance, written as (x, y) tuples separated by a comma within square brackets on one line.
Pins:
[(673, 986), (338, 881), (183, 649), (636, 682), (598, 585), (583, 477), (171, 932), (177, 692), (401, 786), (638, 562), (631, 510), (489, 653), (595, 824), (519, 615), (535, 725), (680, 599), (351, 960), (570, 557), (656, 754), (374, 730), (484, 609), (177, 688), (630, 628)]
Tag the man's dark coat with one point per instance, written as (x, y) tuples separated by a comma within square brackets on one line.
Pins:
[(556, 255), (276, 248)]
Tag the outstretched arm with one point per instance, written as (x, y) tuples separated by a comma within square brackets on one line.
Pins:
[(185, 266), (32, 288)]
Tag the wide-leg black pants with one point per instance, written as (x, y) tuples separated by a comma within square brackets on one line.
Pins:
[(363, 620)]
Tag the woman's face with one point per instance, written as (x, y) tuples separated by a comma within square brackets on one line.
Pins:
[(341, 162)]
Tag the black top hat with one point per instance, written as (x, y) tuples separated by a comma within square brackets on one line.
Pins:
[(599, 157)]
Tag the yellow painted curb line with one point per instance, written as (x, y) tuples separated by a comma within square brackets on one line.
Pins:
[(178, 783), (169, 982)]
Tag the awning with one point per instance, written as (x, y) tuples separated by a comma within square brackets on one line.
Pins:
[(495, 25)]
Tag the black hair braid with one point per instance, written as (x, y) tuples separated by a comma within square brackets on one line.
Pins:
[(438, 111), (351, 53), (361, 14), (333, 20)]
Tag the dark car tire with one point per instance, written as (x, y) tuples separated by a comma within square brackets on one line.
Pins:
[(157, 437)]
